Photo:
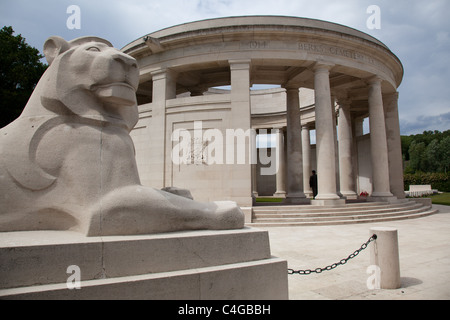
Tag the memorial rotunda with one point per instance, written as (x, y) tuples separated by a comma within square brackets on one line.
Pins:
[(325, 77)]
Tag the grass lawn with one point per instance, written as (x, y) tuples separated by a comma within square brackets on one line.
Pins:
[(443, 198), (265, 200)]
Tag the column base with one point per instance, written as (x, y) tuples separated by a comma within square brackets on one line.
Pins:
[(327, 196), (350, 195), (296, 200), (336, 202), (280, 194), (389, 199), (309, 194)]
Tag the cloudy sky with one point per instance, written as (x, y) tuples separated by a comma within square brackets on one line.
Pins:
[(417, 31)]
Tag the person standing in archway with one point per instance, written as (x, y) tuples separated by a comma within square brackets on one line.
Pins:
[(313, 183)]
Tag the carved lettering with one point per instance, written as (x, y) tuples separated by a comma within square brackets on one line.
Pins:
[(347, 53), (311, 47), (254, 45), (338, 51)]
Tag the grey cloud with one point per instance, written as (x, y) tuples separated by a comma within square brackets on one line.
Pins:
[(425, 123)]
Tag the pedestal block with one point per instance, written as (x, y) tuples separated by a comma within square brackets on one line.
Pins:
[(216, 265)]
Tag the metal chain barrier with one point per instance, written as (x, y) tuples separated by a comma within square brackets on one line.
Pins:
[(334, 265)]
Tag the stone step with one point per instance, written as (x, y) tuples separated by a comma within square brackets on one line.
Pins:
[(344, 221), (335, 213), (322, 209), (238, 281), (351, 214), (187, 265), (358, 216), (42, 257)]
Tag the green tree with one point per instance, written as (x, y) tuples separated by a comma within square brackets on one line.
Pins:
[(406, 143), (444, 147), (417, 156), (432, 156), (20, 71)]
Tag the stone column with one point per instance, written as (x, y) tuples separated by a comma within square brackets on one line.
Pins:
[(378, 143), (346, 176), (254, 165), (239, 184), (281, 164), (164, 88), (307, 170), (357, 131), (394, 144), (326, 153), (295, 192), (359, 127), (254, 181), (336, 147)]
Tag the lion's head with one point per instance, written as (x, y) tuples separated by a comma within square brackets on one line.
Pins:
[(89, 78)]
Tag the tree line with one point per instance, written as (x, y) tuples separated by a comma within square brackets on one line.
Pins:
[(20, 71), (426, 152)]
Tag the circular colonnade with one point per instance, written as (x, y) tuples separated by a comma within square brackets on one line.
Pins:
[(353, 75)]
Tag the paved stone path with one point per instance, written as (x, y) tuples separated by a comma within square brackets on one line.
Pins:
[(424, 246)]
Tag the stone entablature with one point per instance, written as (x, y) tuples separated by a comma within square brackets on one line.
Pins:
[(269, 42)]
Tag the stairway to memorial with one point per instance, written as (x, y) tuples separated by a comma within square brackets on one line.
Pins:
[(283, 216)]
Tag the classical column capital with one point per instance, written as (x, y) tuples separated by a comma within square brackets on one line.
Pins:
[(241, 64), (278, 129), (322, 67), (291, 88), (375, 80), (163, 73), (391, 96), (344, 102)]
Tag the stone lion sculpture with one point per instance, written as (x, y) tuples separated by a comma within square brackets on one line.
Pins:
[(68, 162)]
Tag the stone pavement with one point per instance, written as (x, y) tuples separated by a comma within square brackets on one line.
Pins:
[(424, 246)]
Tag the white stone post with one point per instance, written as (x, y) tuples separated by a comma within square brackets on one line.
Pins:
[(346, 176), (295, 192), (307, 171), (378, 143), (281, 165), (385, 255), (326, 152)]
